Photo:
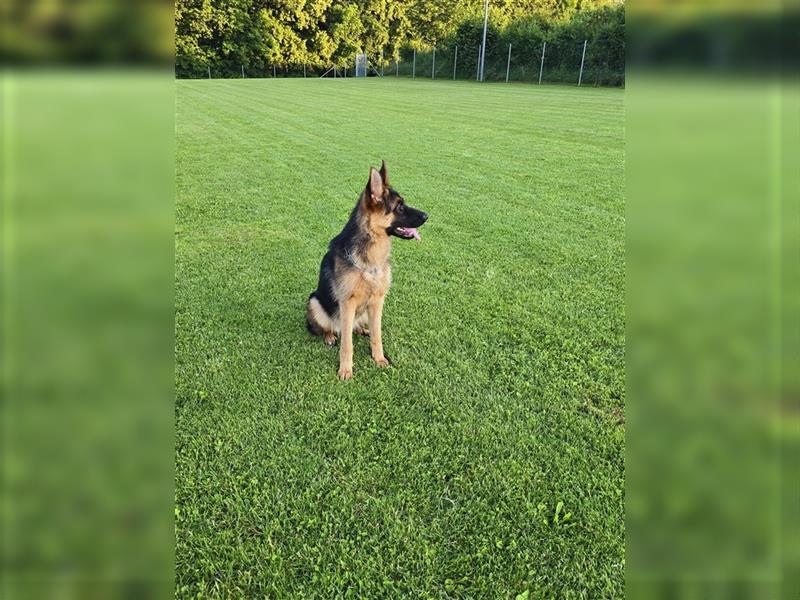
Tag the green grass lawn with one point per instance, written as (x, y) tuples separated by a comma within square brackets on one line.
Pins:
[(488, 461)]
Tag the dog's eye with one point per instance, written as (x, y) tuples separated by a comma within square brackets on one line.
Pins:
[(400, 208)]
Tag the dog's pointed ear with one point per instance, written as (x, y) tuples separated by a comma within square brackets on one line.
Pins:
[(384, 173), (375, 186)]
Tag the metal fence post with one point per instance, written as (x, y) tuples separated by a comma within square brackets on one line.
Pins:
[(433, 66), (541, 67), (414, 65), (209, 71), (273, 72), (455, 62), (304, 71), (483, 45), (381, 62), (397, 68), (583, 56), (508, 64), (478, 73), (242, 71)]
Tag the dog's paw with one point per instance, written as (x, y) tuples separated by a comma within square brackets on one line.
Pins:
[(382, 362), (345, 373), (330, 339), (362, 331)]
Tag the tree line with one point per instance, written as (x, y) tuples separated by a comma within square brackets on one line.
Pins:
[(259, 35)]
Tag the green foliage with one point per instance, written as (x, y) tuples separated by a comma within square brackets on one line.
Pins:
[(347, 32), (526, 34), (604, 30), (435, 21), (259, 34), (488, 461), (607, 36)]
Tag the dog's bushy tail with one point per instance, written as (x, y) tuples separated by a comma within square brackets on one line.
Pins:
[(311, 323)]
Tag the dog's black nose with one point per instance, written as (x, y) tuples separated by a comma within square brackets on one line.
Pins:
[(424, 217)]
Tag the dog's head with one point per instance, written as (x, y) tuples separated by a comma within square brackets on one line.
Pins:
[(389, 208)]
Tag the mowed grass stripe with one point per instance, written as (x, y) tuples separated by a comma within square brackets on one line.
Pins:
[(255, 102), (567, 98), (496, 114), (548, 153), (441, 476)]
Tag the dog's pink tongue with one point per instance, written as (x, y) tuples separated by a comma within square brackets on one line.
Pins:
[(413, 231)]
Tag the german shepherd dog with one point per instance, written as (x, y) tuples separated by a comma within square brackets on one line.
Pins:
[(355, 273)]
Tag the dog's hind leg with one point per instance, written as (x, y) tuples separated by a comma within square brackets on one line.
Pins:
[(360, 325)]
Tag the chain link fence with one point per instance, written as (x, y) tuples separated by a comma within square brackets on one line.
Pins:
[(581, 63), (534, 63), (229, 70)]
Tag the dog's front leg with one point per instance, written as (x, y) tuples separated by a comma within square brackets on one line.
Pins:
[(347, 312), (375, 309)]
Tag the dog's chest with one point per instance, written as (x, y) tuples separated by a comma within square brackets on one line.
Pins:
[(367, 283), (374, 280)]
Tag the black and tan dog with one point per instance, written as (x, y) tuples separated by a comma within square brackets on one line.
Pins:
[(355, 273)]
